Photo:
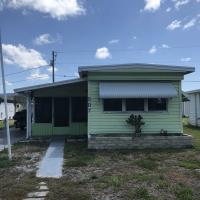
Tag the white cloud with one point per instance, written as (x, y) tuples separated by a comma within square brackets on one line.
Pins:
[(152, 5), (102, 53), (22, 56), (168, 9), (187, 59), (44, 39), (134, 37), (37, 75), (114, 41), (153, 49), (50, 69), (174, 25), (57, 9), (190, 24), (165, 46), (8, 83), (179, 3)]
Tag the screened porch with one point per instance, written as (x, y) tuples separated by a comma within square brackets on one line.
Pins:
[(59, 110)]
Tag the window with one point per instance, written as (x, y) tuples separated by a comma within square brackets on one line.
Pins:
[(43, 110), (112, 104), (61, 112), (79, 109), (134, 104), (157, 104)]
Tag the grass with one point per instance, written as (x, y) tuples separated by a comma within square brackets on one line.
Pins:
[(68, 190), (114, 181), (183, 193), (15, 182), (5, 162), (11, 123), (147, 164), (190, 164), (140, 193), (194, 131)]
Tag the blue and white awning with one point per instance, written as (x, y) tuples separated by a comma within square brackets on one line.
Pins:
[(136, 90)]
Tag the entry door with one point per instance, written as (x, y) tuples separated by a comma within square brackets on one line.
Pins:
[(61, 112)]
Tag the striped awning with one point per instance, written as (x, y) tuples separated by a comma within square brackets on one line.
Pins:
[(136, 90)]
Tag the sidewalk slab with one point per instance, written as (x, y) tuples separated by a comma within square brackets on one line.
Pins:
[(51, 164)]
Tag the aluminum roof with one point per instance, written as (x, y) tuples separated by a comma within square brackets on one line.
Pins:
[(193, 91), (183, 69), (136, 90), (59, 83)]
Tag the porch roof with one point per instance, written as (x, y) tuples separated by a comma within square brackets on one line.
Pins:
[(136, 90), (48, 85)]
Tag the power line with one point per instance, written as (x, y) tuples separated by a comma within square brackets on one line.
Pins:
[(22, 71), (136, 49)]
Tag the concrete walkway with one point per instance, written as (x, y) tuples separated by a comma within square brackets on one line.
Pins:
[(51, 164)]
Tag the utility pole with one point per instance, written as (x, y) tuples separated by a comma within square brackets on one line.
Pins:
[(53, 65), (5, 100)]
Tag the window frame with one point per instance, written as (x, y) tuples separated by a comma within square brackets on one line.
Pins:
[(125, 105), (116, 111), (166, 110)]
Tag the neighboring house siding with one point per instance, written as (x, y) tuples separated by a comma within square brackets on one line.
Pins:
[(74, 128), (194, 115), (100, 122), (11, 111), (186, 108)]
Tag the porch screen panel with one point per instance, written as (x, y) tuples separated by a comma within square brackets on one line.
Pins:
[(79, 109), (43, 110), (61, 112)]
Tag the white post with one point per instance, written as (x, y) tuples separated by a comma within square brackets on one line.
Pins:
[(28, 116), (5, 102)]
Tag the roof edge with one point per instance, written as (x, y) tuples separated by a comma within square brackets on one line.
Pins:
[(193, 91), (41, 86), (184, 69)]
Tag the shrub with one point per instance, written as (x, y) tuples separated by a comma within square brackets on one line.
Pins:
[(136, 121)]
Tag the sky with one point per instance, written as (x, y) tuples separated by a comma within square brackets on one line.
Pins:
[(96, 32)]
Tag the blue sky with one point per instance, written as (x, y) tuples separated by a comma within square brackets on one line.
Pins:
[(88, 32)]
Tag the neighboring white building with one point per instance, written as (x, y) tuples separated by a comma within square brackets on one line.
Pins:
[(11, 110), (15, 104), (193, 107)]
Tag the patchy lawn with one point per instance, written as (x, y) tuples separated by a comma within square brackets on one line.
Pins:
[(17, 177), (147, 175), (114, 175)]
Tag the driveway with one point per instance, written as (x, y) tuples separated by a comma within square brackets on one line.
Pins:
[(15, 136)]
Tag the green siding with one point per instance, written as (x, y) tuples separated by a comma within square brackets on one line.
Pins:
[(73, 129), (100, 122), (42, 129)]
